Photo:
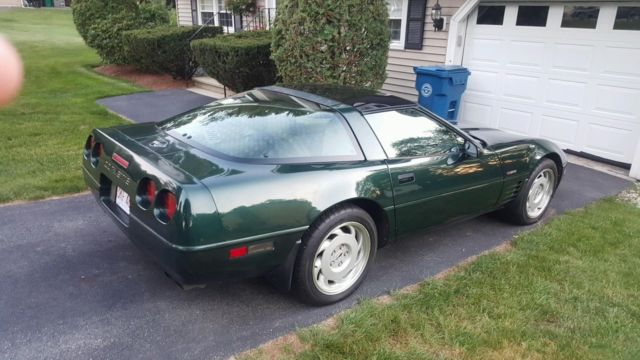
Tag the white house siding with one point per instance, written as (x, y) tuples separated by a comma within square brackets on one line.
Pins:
[(12, 3), (400, 76), (183, 11)]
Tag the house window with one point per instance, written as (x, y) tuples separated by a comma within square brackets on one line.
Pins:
[(490, 15), (210, 9), (532, 16), (206, 12), (395, 26), (226, 19), (580, 17), (396, 18), (627, 18)]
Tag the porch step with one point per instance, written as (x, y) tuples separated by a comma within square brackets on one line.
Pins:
[(208, 86)]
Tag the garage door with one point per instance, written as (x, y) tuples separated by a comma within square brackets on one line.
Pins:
[(563, 72)]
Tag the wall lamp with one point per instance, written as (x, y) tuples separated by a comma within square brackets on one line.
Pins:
[(436, 16)]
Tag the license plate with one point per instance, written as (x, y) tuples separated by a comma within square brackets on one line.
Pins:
[(122, 200)]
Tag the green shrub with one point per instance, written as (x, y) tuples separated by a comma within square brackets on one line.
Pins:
[(241, 6), (173, 17), (101, 23), (154, 13), (165, 49), (86, 12), (342, 42), (239, 61)]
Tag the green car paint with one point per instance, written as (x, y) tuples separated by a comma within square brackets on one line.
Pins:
[(225, 202)]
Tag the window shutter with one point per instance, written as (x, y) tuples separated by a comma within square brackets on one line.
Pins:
[(194, 12), (415, 24)]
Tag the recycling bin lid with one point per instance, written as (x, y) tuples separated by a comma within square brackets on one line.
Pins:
[(441, 70)]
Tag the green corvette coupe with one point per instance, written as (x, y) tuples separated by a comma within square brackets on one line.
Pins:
[(304, 184)]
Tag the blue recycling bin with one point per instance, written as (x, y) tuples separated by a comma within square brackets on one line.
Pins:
[(440, 89)]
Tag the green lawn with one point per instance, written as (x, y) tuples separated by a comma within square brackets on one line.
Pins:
[(567, 290), (42, 133)]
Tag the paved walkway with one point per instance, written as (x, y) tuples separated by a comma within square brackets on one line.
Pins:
[(154, 106), (73, 287)]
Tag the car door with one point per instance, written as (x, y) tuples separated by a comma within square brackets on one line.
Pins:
[(434, 178)]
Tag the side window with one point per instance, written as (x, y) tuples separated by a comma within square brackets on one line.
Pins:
[(490, 15), (580, 17), (627, 18), (411, 133)]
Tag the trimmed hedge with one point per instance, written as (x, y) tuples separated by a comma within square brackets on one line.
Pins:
[(101, 23), (342, 42), (238, 61), (86, 12), (165, 49)]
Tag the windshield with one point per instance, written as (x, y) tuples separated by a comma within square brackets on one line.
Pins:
[(267, 127)]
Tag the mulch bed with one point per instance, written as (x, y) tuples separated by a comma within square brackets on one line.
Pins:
[(150, 81)]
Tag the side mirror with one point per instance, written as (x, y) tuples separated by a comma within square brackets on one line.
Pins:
[(456, 154), (470, 149)]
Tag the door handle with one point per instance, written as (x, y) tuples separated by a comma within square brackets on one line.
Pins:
[(406, 178)]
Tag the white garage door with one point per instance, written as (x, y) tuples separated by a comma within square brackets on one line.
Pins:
[(563, 72)]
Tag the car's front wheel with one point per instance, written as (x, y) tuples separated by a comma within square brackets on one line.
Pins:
[(534, 199), (336, 254)]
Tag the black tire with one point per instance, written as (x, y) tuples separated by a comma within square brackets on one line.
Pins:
[(303, 279), (516, 211)]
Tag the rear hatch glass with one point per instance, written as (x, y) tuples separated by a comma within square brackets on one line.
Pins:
[(263, 126)]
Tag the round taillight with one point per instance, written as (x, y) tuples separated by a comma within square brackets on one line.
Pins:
[(96, 153), (166, 206), (88, 145), (98, 149), (146, 193)]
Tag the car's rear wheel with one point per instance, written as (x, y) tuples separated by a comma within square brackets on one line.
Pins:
[(336, 254), (533, 201)]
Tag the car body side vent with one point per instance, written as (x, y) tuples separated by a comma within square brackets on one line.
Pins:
[(511, 191)]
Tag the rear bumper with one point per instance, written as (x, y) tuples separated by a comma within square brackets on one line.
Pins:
[(198, 265)]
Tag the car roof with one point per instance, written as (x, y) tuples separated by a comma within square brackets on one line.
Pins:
[(363, 99)]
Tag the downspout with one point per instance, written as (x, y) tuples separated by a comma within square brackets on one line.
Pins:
[(457, 32)]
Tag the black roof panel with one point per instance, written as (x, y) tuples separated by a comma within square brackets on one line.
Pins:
[(360, 98)]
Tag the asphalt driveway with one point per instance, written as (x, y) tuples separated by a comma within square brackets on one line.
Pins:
[(154, 106), (73, 286)]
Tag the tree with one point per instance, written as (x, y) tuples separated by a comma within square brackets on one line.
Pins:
[(342, 42)]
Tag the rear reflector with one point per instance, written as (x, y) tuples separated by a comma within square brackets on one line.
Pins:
[(250, 250), (238, 252), (120, 160)]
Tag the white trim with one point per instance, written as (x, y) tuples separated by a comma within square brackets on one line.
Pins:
[(457, 32), (635, 166), (399, 44)]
